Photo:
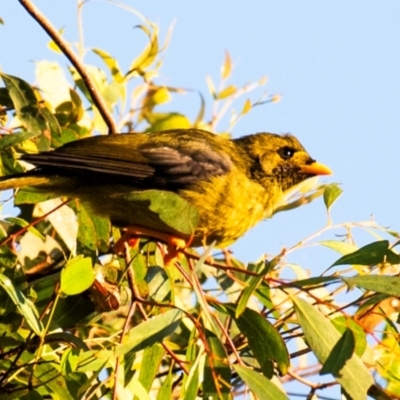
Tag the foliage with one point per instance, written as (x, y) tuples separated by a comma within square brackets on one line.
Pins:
[(79, 321)]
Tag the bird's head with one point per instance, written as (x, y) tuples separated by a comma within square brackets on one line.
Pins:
[(281, 159)]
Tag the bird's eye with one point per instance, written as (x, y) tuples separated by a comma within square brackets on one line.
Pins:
[(286, 152)]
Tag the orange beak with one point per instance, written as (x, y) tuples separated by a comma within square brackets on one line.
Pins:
[(316, 169)]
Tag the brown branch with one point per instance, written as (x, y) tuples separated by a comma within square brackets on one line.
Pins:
[(66, 49)]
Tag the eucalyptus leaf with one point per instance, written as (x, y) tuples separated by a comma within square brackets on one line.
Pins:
[(77, 276), (262, 387), (377, 283), (322, 337), (33, 118), (150, 332), (24, 305), (371, 254)]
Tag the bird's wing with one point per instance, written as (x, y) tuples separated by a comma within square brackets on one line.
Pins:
[(151, 164)]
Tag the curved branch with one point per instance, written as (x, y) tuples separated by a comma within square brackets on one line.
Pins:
[(66, 49)]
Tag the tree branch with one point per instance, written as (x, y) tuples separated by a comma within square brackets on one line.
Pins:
[(66, 49)]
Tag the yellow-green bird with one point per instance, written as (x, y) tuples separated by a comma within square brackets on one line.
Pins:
[(233, 184)]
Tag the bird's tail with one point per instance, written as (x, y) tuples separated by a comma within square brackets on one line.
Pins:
[(22, 180)]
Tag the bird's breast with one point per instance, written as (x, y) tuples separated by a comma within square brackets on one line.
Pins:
[(229, 205)]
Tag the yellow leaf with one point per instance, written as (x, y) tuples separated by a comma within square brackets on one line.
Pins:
[(210, 85), (161, 95), (226, 68), (228, 91), (246, 107)]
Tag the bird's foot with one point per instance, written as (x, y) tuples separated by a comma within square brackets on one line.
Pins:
[(132, 237)]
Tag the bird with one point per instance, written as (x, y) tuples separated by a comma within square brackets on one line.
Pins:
[(232, 183)]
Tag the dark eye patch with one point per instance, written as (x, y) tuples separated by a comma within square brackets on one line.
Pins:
[(286, 152)]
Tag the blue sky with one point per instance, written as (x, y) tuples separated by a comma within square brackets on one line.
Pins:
[(336, 64)]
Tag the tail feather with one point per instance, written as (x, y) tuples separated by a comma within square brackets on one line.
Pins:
[(22, 180)]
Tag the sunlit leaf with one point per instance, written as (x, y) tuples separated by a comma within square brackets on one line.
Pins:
[(331, 194), (226, 68), (228, 91), (340, 354), (339, 246), (152, 358), (16, 138), (254, 282), (53, 46), (246, 107), (371, 254), (77, 276), (28, 109), (25, 306), (93, 230), (111, 63), (150, 332), (342, 324), (217, 374), (149, 53), (24, 224), (377, 283), (168, 211), (165, 121), (322, 337), (262, 387), (265, 342)]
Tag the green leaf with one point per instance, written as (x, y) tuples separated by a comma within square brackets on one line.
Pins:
[(322, 337), (33, 117), (149, 53), (93, 231), (67, 337), (217, 373), (193, 359), (331, 194), (70, 310), (378, 394), (23, 224), (5, 99), (16, 138), (150, 363), (371, 254), (165, 121), (32, 196), (69, 112), (111, 63), (311, 282), (51, 124), (264, 341), (342, 324), (261, 387), (25, 306), (77, 276), (165, 392), (340, 354), (46, 374), (169, 212), (376, 283), (341, 247), (254, 281), (67, 135), (150, 332)]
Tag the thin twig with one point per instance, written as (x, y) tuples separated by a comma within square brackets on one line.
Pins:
[(66, 49), (125, 328)]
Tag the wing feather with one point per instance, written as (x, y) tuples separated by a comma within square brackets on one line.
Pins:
[(164, 164)]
